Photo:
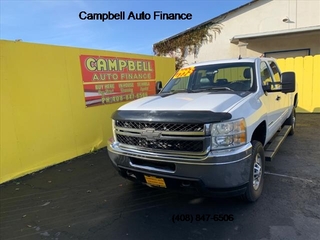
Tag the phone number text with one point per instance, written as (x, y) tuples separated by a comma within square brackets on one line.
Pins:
[(202, 217)]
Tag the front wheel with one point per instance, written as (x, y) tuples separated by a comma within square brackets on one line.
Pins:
[(256, 179)]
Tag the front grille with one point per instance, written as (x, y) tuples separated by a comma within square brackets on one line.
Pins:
[(163, 144), (171, 127), (163, 137)]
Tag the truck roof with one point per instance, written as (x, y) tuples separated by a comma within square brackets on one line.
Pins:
[(250, 59)]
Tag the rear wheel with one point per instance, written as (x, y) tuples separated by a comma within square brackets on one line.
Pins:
[(256, 179), (291, 120)]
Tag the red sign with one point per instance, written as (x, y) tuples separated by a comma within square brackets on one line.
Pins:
[(110, 79)]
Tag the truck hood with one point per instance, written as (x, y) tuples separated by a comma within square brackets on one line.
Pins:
[(218, 102)]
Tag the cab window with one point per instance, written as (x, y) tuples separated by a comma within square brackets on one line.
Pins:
[(265, 74), (276, 74)]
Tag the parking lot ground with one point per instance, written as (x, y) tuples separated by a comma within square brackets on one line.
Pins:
[(84, 198)]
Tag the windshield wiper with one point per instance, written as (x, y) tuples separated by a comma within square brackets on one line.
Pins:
[(213, 89), (177, 91)]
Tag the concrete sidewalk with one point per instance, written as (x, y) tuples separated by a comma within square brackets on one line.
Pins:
[(84, 198)]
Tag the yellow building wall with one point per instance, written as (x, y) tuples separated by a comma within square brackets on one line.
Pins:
[(44, 120), (307, 71)]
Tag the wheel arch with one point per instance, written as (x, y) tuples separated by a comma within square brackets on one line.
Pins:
[(296, 100), (259, 134)]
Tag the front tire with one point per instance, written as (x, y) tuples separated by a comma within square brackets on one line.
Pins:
[(256, 179)]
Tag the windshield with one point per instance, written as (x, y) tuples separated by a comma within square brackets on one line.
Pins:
[(216, 77)]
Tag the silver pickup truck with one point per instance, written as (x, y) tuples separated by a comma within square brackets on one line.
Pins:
[(209, 130)]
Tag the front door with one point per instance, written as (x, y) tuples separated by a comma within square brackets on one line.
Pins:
[(273, 100)]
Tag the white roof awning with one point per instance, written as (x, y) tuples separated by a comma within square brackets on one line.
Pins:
[(238, 38)]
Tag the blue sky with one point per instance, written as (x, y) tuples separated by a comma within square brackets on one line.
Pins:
[(57, 22)]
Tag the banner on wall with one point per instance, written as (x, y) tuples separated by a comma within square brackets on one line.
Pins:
[(109, 80)]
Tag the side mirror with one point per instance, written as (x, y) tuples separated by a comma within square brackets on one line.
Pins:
[(288, 82), (158, 87), (266, 88)]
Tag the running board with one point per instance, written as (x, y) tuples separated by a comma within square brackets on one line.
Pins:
[(273, 148)]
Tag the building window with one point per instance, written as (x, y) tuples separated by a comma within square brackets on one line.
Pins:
[(288, 53)]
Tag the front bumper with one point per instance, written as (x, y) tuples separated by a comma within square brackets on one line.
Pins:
[(217, 173)]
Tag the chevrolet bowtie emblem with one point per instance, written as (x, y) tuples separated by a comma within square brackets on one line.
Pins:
[(150, 134)]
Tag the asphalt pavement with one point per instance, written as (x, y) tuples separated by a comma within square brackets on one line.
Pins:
[(84, 198)]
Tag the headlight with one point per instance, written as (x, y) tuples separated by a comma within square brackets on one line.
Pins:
[(228, 134)]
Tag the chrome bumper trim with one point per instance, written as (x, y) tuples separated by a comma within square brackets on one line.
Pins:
[(233, 155)]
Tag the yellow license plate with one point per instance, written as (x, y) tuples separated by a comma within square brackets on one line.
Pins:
[(155, 181)]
